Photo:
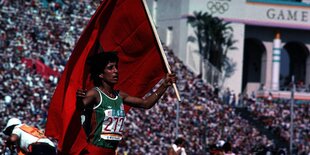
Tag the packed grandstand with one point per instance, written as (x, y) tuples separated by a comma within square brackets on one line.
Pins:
[(36, 40)]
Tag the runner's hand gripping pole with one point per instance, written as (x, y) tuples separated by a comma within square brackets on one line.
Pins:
[(161, 48)]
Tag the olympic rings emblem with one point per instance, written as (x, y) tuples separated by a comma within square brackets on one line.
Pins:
[(220, 7)]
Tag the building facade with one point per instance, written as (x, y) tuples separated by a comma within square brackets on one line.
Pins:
[(273, 38)]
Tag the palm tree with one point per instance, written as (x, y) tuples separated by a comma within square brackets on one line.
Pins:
[(222, 42), (197, 21), (214, 37)]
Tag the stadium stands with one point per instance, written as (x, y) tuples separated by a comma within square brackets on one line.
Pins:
[(47, 30)]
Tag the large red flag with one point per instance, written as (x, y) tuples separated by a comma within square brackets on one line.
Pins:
[(117, 25)]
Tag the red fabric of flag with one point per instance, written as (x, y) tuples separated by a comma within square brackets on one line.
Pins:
[(117, 25)]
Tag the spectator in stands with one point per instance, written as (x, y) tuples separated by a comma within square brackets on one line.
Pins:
[(269, 98), (226, 96), (178, 147), (216, 90), (228, 149)]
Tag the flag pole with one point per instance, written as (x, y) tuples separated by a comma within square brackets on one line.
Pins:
[(161, 48)]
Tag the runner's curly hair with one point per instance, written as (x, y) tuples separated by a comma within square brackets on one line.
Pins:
[(98, 62)]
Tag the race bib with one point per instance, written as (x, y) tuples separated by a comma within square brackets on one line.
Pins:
[(113, 124)]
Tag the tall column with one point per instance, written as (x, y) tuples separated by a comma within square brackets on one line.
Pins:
[(169, 36), (154, 12), (276, 59), (268, 65)]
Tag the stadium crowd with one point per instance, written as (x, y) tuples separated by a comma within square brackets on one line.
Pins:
[(40, 30), (204, 121), (46, 30), (276, 117)]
